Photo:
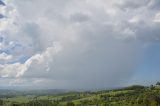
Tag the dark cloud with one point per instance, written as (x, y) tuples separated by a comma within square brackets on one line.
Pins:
[(154, 4), (1, 16), (2, 3), (78, 17), (130, 4)]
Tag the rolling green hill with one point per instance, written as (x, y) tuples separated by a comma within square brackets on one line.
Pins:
[(130, 96)]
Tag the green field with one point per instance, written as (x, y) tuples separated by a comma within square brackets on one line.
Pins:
[(129, 96)]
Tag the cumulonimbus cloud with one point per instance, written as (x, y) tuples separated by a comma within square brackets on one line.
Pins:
[(100, 42)]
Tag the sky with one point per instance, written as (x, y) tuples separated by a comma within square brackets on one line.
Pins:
[(79, 44)]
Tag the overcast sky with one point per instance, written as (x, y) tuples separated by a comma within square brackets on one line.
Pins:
[(79, 44)]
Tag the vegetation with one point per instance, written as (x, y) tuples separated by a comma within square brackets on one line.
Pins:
[(130, 96)]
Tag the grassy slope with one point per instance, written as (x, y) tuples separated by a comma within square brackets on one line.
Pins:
[(125, 97)]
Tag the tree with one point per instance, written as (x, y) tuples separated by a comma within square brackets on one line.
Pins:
[(70, 104), (1, 102), (105, 104), (152, 87), (158, 83)]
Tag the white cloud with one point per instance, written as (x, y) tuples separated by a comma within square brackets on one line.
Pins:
[(4, 56), (18, 69), (134, 19), (157, 18)]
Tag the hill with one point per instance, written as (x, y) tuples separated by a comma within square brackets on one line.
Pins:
[(129, 96)]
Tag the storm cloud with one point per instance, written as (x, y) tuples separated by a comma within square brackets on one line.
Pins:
[(76, 44)]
